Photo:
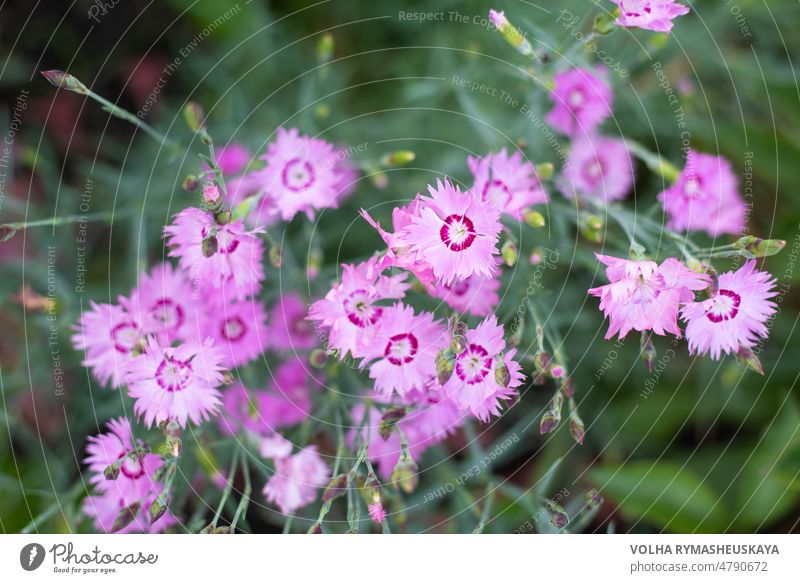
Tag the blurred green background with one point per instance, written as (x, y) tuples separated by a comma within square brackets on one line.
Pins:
[(695, 446)]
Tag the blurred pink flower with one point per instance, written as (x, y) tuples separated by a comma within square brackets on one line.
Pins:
[(508, 182), (644, 296), (238, 330), (583, 100), (656, 15), (288, 400), (735, 316), (297, 479), (455, 233), (288, 328), (177, 383), (232, 158), (705, 197), (598, 167)]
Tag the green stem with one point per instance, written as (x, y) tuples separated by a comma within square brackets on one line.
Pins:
[(244, 502), (228, 487)]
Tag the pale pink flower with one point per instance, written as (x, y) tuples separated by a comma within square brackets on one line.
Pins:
[(598, 167), (476, 295), (656, 15), (455, 233), (705, 197), (645, 296), (288, 328), (177, 383), (377, 513), (402, 354), (509, 182), (235, 269), (583, 100), (107, 334), (735, 316), (238, 330), (165, 305), (473, 384), (297, 479), (275, 446), (399, 253), (301, 174), (347, 175), (350, 310)]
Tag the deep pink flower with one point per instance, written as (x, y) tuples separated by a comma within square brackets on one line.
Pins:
[(644, 296), (238, 330), (239, 411), (288, 328), (402, 354), (297, 479), (473, 384), (301, 174), (705, 197), (235, 269), (177, 383), (455, 233), (476, 295), (508, 182), (598, 167), (166, 306), (654, 15), (107, 334), (350, 309), (583, 100), (376, 513), (735, 316)]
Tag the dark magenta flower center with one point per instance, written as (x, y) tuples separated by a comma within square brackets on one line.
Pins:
[(233, 329), (725, 306), (132, 467), (497, 192), (298, 175), (173, 375), (168, 313), (473, 364), (125, 336), (359, 309), (401, 349), (458, 232)]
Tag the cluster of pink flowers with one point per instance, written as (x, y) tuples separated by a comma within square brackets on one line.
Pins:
[(648, 297)]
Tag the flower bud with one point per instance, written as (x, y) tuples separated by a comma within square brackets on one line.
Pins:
[(460, 328), (458, 344), (388, 420), (222, 217), (191, 183), (548, 423), (322, 111), (112, 471), (753, 247), (648, 351), (534, 219), (502, 375), (335, 488), (511, 34), (210, 246), (377, 513), (157, 509), (444, 367), (405, 475), (557, 371), (126, 516), (567, 387), (541, 360), (510, 253), (275, 257), (65, 81), (593, 498), (576, 428), (746, 357), (172, 432), (398, 158), (371, 490), (318, 358), (604, 23), (545, 170), (591, 227), (316, 528), (194, 116), (559, 519), (211, 195), (325, 48)]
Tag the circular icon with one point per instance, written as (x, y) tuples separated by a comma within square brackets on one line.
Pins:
[(31, 556)]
